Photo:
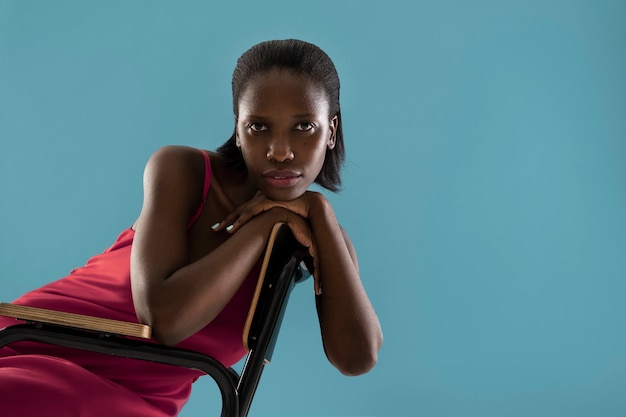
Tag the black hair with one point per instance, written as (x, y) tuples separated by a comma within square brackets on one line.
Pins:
[(301, 58)]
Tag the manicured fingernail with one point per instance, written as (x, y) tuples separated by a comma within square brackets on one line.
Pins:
[(229, 228), (215, 226)]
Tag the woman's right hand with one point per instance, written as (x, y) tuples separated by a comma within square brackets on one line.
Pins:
[(260, 205)]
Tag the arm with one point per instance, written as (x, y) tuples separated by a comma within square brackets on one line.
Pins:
[(173, 295), (351, 331)]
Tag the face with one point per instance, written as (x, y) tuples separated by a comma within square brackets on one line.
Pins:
[(284, 130)]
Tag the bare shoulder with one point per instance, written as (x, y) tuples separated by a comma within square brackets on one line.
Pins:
[(171, 164), (174, 155), (173, 181)]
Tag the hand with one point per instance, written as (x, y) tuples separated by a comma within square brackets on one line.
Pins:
[(294, 213), (259, 203)]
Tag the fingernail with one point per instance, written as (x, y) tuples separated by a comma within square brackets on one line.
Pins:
[(215, 226), (229, 228)]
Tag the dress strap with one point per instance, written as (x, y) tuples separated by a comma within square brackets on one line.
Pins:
[(205, 188)]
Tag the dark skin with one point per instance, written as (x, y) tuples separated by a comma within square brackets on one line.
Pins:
[(181, 279)]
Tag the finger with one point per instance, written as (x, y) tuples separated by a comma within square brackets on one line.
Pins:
[(227, 222), (303, 234), (248, 213)]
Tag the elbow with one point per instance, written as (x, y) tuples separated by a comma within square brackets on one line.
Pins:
[(356, 365), (165, 334), (355, 362), (166, 322), (162, 329), (171, 322)]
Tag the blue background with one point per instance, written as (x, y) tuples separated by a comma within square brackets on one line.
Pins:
[(484, 187)]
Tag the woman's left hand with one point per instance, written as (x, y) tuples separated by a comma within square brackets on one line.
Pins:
[(350, 328), (301, 207)]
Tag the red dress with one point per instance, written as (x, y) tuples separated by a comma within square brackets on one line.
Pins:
[(42, 380)]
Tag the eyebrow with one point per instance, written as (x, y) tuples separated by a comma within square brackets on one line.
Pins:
[(295, 116)]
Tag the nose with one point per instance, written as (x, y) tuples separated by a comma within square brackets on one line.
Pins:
[(279, 150)]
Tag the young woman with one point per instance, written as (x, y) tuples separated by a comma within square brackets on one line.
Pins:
[(189, 264)]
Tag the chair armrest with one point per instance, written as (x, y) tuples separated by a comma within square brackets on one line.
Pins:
[(34, 314)]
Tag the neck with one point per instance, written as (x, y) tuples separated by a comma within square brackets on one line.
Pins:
[(242, 190), (235, 187)]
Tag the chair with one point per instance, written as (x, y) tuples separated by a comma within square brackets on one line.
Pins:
[(284, 264)]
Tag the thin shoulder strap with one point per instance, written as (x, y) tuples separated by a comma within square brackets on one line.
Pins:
[(207, 175), (205, 188)]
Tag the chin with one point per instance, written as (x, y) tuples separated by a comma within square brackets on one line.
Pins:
[(283, 194)]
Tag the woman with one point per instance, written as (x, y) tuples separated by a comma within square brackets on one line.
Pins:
[(189, 264)]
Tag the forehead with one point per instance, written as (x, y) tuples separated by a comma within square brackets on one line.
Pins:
[(280, 89)]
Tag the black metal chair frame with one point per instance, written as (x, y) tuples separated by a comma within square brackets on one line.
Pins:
[(285, 267)]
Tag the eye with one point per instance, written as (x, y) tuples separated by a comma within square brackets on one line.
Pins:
[(256, 127), (304, 126)]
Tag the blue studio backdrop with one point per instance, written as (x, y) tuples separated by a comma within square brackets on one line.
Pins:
[(485, 184)]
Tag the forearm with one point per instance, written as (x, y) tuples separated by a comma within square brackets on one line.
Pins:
[(193, 295), (350, 328)]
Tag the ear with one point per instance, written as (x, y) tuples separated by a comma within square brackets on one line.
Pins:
[(332, 140), (237, 141)]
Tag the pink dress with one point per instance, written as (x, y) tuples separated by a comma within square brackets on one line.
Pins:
[(43, 380)]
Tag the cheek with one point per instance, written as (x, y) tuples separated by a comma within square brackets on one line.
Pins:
[(314, 149), (319, 155), (249, 153)]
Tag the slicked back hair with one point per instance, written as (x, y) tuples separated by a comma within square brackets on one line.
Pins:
[(302, 58)]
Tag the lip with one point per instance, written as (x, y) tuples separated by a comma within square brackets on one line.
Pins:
[(281, 178)]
